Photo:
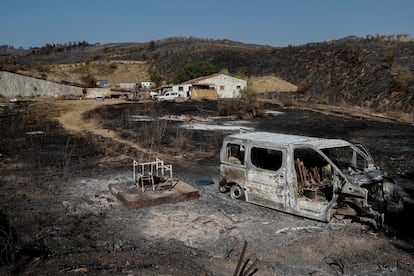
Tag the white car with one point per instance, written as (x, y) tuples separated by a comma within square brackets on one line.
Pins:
[(169, 96), (154, 95)]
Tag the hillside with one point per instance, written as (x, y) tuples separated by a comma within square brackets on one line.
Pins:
[(371, 73)]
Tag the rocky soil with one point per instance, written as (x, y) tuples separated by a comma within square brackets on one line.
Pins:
[(60, 217)]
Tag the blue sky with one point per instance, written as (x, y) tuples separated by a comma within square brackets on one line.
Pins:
[(30, 23)]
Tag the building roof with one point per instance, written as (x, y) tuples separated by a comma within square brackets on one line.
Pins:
[(201, 79), (196, 80)]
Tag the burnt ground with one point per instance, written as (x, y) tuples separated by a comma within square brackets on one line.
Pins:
[(58, 217)]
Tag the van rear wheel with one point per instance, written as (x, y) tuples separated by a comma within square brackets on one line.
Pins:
[(236, 192)]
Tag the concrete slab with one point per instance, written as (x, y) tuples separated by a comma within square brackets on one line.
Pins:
[(134, 198)]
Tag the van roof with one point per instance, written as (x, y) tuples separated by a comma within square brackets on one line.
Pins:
[(287, 139)]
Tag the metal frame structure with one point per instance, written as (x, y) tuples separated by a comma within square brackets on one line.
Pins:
[(145, 171)]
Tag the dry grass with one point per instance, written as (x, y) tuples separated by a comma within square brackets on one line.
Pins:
[(270, 84), (181, 141), (113, 71)]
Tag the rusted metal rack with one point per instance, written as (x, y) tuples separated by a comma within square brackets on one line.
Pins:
[(146, 173)]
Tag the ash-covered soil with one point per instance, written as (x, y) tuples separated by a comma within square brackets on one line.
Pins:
[(60, 218)]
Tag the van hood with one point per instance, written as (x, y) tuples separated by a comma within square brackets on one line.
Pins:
[(367, 178)]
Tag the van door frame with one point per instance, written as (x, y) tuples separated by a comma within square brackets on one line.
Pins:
[(337, 176), (264, 186), (233, 173)]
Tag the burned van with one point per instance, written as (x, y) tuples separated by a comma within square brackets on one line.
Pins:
[(312, 177)]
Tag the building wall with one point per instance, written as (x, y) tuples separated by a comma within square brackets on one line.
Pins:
[(204, 94), (126, 85), (226, 86), (181, 87), (15, 85), (92, 93)]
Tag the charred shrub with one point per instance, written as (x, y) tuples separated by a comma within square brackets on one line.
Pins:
[(241, 108), (246, 107), (7, 242), (181, 141)]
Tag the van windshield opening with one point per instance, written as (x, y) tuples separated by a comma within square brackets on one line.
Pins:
[(346, 157)]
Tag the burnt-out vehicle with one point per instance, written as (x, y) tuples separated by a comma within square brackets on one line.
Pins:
[(312, 177)]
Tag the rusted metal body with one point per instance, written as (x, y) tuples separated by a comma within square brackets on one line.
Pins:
[(311, 177)]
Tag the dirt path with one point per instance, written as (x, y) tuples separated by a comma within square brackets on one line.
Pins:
[(71, 118), (71, 114)]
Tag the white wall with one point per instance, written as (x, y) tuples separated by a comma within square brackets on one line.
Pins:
[(92, 93), (147, 84), (126, 85), (226, 86), (184, 87), (14, 85)]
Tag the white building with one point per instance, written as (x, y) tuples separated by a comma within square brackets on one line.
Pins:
[(147, 84), (226, 86), (183, 89), (126, 85)]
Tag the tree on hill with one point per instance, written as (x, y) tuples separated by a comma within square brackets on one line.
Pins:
[(192, 71), (67, 46), (155, 77)]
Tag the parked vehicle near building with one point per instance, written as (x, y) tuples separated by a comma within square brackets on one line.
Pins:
[(312, 177), (169, 96), (154, 95), (100, 98)]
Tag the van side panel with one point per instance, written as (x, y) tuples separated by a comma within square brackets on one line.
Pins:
[(266, 183), (266, 188), (233, 174)]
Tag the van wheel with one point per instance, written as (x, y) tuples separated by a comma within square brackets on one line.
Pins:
[(236, 192)]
